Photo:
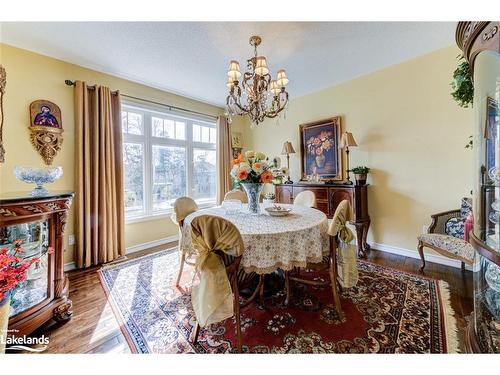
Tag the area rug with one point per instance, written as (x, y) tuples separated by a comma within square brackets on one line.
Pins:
[(389, 311)]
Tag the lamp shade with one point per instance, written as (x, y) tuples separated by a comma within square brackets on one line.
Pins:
[(230, 82), (261, 66), (282, 78), (347, 140), (287, 148), (275, 89), (233, 71)]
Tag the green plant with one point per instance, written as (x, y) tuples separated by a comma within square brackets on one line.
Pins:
[(360, 170), (463, 88)]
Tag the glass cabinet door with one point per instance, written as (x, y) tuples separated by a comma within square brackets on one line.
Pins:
[(486, 203), (35, 237)]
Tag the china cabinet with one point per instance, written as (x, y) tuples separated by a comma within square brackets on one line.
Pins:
[(39, 222), (480, 43)]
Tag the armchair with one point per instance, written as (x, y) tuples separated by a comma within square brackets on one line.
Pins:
[(446, 235)]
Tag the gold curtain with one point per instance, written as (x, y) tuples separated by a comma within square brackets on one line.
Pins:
[(99, 176), (223, 158)]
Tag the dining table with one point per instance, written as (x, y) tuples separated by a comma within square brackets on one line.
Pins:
[(271, 242)]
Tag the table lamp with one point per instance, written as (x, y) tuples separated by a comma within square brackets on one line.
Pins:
[(346, 141), (287, 150)]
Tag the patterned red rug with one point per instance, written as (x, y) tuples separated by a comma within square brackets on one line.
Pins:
[(387, 312)]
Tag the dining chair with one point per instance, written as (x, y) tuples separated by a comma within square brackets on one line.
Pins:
[(236, 194), (183, 206), (337, 232), (219, 249), (305, 198)]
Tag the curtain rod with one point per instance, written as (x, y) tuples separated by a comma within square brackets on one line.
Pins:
[(170, 107)]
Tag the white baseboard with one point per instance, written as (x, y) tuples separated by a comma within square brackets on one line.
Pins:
[(69, 266), (150, 244), (432, 258), (132, 249)]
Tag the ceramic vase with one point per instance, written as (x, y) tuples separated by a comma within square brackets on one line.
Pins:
[(253, 191)]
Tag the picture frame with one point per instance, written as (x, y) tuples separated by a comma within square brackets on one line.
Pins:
[(320, 150), (236, 140)]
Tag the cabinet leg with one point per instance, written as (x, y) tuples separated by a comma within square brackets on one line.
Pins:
[(64, 311), (359, 239), (365, 234)]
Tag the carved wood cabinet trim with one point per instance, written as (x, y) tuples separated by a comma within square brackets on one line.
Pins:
[(473, 37)]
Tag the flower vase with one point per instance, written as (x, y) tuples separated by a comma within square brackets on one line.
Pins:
[(320, 161), (253, 191), (4, 321)]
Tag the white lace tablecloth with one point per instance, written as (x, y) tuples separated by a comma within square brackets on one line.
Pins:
[(273, 242)]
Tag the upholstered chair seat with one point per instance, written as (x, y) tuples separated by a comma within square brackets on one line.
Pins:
[(446, 235), (457, 247)]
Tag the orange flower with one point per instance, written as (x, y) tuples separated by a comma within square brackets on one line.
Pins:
[(266, 177), (238, 160), (242, 174)]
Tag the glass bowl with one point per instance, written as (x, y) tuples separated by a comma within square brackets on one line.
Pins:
[(38, 176)]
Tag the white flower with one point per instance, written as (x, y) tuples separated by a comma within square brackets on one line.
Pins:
[(260, 156), (250, 154)]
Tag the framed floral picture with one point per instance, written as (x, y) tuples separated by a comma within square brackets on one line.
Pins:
[(320, 151)]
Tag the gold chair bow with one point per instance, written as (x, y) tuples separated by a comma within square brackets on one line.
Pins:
[(212, 298), (347, 258), (338, 227)]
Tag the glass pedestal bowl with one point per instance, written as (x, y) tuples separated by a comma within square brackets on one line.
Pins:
[(38, 176)]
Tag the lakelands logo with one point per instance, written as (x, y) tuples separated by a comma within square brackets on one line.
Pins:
[(27, 343)]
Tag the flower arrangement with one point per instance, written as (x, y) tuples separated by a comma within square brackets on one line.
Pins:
[(252, 167), (13, 269), (319, 144)]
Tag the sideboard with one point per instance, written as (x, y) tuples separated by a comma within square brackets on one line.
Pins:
[(39, 222), (328, 196)]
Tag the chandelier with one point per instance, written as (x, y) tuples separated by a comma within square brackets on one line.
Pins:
[(256, 94)]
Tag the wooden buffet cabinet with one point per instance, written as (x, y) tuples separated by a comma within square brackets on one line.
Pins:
[(40, 223), (328, 196)]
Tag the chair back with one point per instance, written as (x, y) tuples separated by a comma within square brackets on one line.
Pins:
[(305, 199), (338, 227), (236, 194), (212, 238), (183, 206)]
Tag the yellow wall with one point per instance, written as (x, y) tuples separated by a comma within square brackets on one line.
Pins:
[(409, 131), (31, 76)]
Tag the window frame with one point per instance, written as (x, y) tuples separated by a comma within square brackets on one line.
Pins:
[(148, 141)]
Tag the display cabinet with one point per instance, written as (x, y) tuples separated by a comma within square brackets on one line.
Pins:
[(480, 43), (39, 222)]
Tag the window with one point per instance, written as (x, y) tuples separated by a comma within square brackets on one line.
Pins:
[(166, 156)]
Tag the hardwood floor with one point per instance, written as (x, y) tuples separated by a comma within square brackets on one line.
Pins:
[(94, 329)]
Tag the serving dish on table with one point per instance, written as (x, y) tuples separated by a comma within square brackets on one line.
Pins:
[(276, 210)]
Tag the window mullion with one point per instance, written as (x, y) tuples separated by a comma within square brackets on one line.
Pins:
[(148, 170), (189, 161)]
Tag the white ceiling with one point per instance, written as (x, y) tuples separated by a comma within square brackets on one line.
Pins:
[(191, 58)]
